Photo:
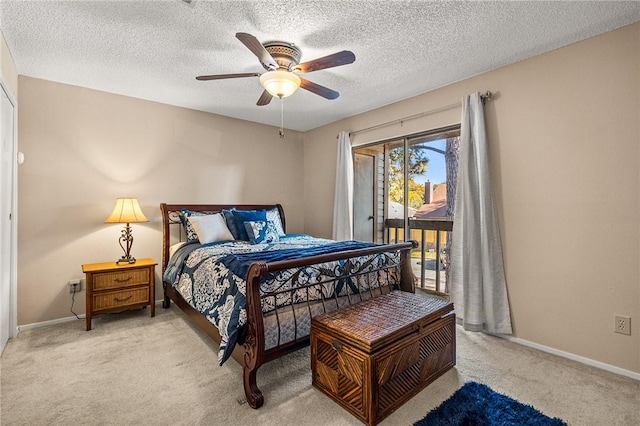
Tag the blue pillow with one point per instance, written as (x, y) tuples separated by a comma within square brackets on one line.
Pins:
[(242, 216), (231, 223), (260, 232)]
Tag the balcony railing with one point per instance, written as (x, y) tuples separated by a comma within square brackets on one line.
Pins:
[(431, 235)]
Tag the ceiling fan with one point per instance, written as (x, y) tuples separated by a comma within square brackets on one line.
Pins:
[(281, 59)]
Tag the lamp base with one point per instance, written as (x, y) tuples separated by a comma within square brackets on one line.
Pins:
[(124, 259), (126, 241)]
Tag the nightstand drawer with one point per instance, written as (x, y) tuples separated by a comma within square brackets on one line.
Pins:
[(120, 279), (115, 299)]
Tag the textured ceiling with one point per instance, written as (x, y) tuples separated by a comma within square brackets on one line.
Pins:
[(154, 49)]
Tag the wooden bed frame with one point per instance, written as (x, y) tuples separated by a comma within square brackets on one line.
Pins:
[(250, 351)]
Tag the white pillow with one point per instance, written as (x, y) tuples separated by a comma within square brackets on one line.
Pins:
[(210, 228)]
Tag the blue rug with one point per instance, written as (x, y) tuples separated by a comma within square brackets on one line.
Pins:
[(475, 404)]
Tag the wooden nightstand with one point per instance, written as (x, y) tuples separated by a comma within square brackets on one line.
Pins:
[(115, 287)]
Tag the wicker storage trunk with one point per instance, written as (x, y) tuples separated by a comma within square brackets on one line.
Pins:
[(375, 355)]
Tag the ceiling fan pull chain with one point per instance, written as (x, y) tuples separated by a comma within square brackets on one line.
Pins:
[(281, 118)]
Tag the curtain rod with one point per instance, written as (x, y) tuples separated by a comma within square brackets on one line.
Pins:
[(485, 97)]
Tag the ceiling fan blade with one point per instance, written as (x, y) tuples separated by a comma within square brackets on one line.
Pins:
[(223, 76), (264, 99), (325, 92), (258, 49), (335, 60)]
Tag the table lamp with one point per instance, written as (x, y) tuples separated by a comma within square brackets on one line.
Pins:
[(127, 210)]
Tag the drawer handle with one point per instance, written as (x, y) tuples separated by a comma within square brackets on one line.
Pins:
[(115, 299), (118, 280), (336, 344)]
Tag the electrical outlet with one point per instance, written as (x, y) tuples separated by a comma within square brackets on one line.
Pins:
[(622, 324), (75, 286)]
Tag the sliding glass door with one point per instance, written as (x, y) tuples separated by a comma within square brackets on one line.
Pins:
[(404, 190)]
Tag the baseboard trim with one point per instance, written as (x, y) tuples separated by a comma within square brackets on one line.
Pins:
[(48, 323), (60, 320), (574, 357)]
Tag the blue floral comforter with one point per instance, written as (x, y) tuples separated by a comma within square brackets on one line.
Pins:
[(211, 277)]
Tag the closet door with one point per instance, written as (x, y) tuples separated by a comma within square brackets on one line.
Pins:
[(7, 164)]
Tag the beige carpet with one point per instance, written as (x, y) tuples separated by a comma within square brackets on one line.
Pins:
[(135, 370)]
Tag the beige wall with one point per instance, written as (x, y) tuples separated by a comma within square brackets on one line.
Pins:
[(564, 133), (84, 148)]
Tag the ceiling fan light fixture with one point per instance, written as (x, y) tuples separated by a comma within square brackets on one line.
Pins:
[(280, 83)]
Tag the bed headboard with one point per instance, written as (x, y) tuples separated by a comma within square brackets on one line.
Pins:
[(172, 228)]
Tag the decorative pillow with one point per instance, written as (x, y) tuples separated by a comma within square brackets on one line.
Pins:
[(273, 217), (260, 232), (210, 228), (184, 214), (231, 223), (242, 216)]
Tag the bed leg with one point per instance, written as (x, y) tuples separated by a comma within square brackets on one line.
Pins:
[(251, 391), (166, 302)]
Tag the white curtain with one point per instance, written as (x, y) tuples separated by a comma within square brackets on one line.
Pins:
[(478, 285), (343, 201)]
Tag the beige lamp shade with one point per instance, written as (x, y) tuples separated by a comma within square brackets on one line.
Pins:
[(127, 210), (280, 83)]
